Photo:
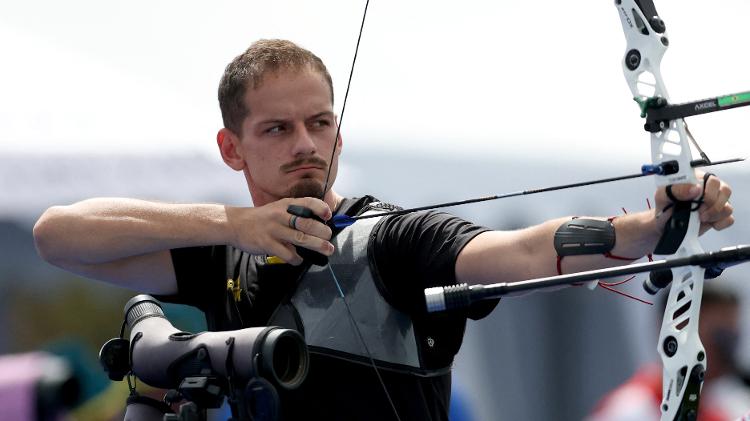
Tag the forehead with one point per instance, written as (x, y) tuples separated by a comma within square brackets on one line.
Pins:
[(289, 91)]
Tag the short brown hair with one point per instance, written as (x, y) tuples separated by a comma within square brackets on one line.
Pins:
[(249, 68)]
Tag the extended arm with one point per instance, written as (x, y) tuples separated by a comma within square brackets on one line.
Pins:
[(508, 256)]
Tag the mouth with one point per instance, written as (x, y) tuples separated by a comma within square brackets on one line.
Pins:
[(305, 168), (305, 165)]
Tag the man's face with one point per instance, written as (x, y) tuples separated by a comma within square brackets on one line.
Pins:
[(288, 136)]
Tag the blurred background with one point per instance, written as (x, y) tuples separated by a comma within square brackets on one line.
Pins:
[(448, 101)]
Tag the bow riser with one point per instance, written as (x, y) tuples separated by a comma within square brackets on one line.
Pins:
[(641, 66), (679, 344)]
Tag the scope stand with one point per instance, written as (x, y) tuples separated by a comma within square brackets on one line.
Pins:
[(257, 401), (202, 392)]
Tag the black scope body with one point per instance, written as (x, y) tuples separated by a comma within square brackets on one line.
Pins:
[(162, 355)]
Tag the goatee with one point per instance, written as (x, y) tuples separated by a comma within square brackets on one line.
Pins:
[(307, 187)]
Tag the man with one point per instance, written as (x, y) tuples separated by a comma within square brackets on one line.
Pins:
[(277, 107)]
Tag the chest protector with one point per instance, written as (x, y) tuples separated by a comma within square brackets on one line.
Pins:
[(317, 310)]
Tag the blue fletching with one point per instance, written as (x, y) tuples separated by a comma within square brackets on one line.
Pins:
[(342, 221)]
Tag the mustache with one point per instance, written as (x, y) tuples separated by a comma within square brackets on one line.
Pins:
[(305, 162)]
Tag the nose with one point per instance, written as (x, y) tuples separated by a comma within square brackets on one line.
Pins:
[(304, 144)]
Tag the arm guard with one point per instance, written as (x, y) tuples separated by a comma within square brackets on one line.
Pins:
[(584, 236)]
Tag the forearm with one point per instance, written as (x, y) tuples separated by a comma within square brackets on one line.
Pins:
[(509, 256), (636, 235), (106, 229)]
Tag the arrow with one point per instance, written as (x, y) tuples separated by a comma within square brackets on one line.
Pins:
[(665, 168)]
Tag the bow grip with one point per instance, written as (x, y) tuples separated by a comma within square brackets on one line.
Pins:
[(675, 228)]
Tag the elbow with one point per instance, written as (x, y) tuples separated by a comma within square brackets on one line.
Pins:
[(46, 231)]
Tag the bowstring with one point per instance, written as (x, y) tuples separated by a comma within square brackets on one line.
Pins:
[(325, 189)]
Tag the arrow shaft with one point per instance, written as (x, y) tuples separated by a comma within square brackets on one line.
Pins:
[(530, 192)]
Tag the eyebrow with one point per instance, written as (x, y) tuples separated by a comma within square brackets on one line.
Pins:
[(271, 121), (322, 114), (283, 120)]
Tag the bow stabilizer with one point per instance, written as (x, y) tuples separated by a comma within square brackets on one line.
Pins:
[(463, 295)]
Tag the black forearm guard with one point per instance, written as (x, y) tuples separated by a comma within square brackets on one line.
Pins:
[(584, 236)]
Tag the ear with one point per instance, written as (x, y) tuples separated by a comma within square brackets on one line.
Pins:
[(231, 149)]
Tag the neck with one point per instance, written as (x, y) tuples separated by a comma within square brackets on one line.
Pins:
[(333, 200)]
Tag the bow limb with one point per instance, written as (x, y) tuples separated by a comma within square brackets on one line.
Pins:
[(681, 350)]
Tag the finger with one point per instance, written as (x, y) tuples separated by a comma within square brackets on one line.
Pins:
[(715, 217), (711, 203), (312, 227), (716, 186), (302, 239), (685, 192), (286, 253), (317, 206), (293, 221), (716, 203), (724, 223), (714, 212), (712, 188)]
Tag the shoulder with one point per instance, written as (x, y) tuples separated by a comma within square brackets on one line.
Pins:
[(358, 205), (427, 226)]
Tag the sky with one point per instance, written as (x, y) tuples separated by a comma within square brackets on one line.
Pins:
[(472, 77)]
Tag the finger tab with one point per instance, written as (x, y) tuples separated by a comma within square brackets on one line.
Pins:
[(300, 211)]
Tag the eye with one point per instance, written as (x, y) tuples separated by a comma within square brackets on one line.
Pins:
[(274, 129), (322, 122)]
